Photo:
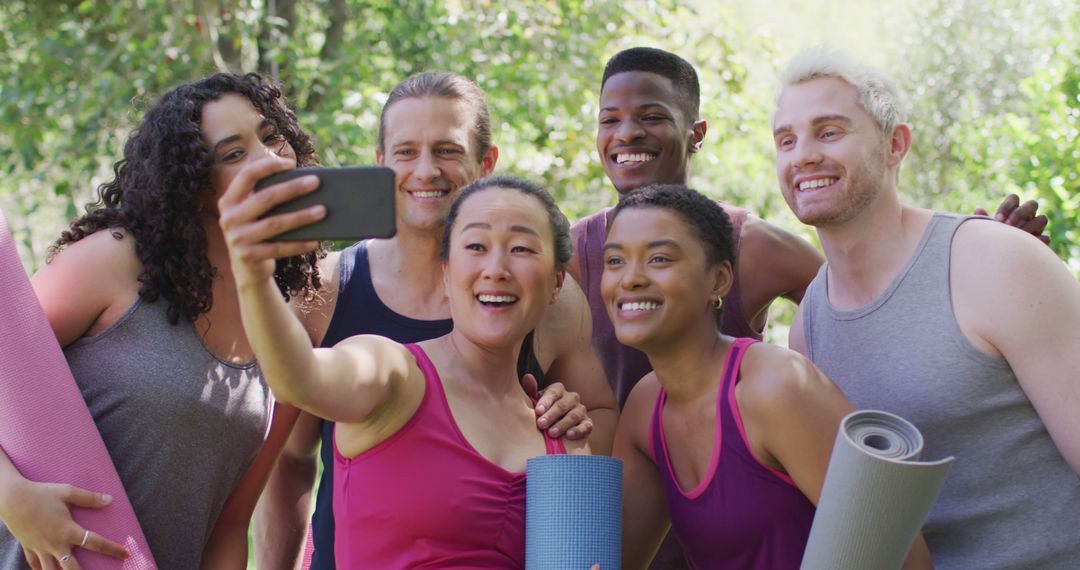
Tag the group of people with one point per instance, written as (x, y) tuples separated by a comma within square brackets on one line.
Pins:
[(415, 359)]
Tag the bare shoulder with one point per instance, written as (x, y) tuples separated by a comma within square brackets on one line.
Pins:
[(106, 269), (774, 379), (1007, 286), (109, 252), (996, 248)]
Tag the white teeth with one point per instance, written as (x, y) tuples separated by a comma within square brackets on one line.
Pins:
[(435, 194), (496, 298), (816, 183), (639, 157), (645, 306)]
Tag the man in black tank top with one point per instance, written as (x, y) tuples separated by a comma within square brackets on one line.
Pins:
[(435, 134)]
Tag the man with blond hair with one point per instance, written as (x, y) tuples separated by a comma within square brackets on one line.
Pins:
[(963, 326)]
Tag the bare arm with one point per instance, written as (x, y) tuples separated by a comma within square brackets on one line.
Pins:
[(792, 412), (345, 383), (772, 263), (227, 547), (645, 514), (282, 514), (1014, 297), (567, 329)]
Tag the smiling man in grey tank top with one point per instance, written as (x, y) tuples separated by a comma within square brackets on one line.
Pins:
[(966, 327)]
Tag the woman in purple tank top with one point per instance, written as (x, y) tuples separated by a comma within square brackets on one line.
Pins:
[(727, 440), (431, 439)]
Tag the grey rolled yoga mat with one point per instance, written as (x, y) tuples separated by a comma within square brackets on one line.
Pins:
[(876, 496), (573, 512)]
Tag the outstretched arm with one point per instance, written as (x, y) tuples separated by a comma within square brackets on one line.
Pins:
[(345, 383)]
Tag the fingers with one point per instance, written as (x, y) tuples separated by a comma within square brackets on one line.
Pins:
[(981, 212), (583, 429), (244, 181), (529, 384), (1009, 204), (82, 498), (257, 204), (100, 544), (68, 562), (565, 413), (32, 559), (1022, 214), (551, 394)]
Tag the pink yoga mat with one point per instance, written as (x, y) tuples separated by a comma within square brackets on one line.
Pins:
[(45, 427)]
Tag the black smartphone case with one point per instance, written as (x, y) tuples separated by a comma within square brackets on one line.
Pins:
[(359, 203)]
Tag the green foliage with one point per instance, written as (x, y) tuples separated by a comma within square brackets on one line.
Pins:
[(994, 89), (993, 84)]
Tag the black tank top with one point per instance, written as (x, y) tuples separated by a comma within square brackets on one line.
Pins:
[(360, 311)]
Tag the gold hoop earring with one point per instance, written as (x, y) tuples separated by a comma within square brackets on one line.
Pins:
[(718, 303)]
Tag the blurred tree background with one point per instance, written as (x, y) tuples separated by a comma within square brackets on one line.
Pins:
[(994, 87)]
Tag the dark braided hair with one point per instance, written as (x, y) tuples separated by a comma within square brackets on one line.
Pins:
[(160, 183)]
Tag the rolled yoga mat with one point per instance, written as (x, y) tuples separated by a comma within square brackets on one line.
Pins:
[(45, 427), (573, 512), (876, 496)]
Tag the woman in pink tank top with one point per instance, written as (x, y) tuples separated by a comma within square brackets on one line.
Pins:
[(431, 439), (727, 440)]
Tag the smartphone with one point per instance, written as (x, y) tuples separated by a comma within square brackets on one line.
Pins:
[(359, 203)]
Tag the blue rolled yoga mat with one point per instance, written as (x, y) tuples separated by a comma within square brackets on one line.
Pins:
[(573, 512)]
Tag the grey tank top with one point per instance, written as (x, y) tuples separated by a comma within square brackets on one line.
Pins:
[(180, 424), (1011, 500)]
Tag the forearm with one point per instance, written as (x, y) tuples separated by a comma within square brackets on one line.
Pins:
[(604, 421), (227, 547), (281, 517), (279, 341)]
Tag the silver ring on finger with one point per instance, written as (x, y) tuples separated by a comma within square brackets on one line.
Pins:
[(85, 537), (65, 558)]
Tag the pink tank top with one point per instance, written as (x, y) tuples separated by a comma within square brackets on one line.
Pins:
[(742, 514), (424, 498)]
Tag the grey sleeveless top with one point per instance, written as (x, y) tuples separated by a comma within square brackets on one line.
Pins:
[(1011, 500), (180, 424)]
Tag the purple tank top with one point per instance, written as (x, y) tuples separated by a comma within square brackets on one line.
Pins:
[(623, 365), (743, 514)]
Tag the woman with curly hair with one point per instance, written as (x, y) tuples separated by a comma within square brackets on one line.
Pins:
[(140, 294)]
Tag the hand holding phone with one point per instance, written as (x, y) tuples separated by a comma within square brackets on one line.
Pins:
[(359, 203)]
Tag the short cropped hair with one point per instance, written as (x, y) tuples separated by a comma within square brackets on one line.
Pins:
[(877, 93), (666, 64), (560, 226), (449, 86), (706, 219)]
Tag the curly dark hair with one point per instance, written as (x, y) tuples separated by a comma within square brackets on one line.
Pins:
[(560, 226), (709, 222), (160, 182)]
